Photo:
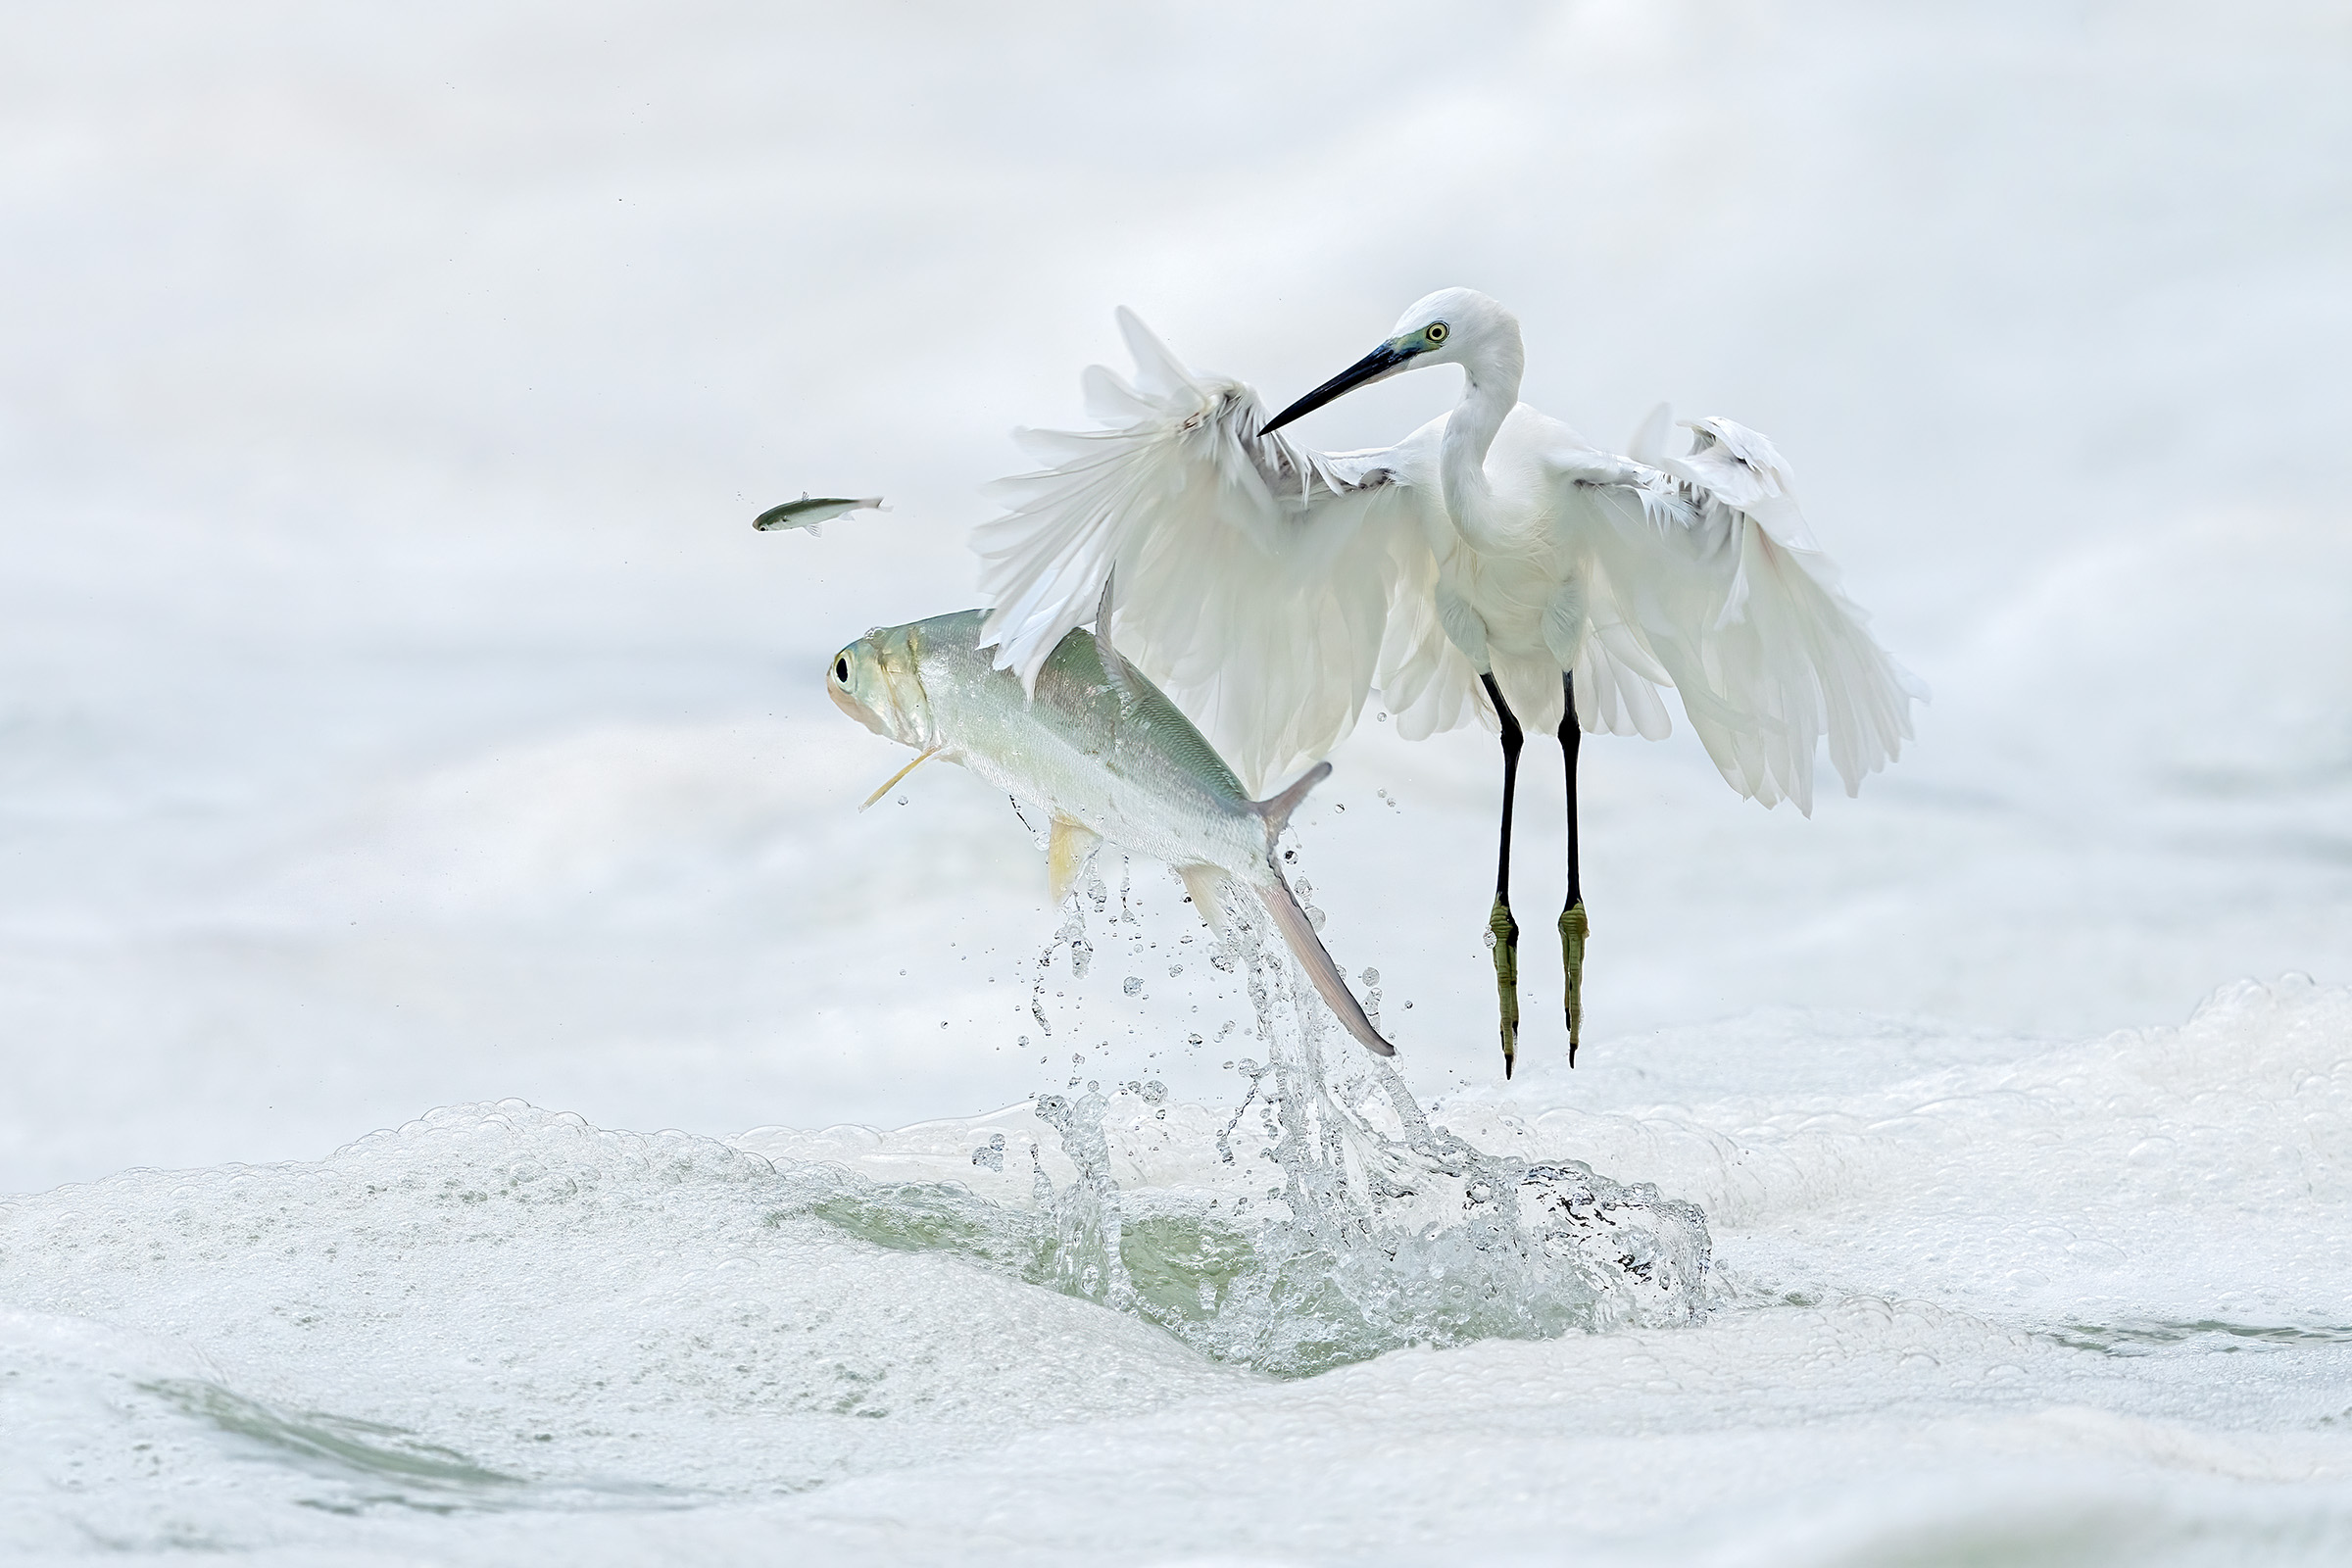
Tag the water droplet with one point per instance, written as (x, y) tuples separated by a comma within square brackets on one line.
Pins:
[(1133, 985), (1175, 969), (1371, 976), (902, 799), (1192, 1040)]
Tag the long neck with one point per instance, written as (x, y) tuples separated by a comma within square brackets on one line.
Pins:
[(1490, 391)]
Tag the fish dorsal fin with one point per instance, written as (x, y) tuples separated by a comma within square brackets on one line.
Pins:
[(1277, 808), (1206, 885), (1066, 853), (1114, 667)]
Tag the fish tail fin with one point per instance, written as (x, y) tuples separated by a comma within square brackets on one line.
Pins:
[(1298, 933), (873, 504), (1277, 808)]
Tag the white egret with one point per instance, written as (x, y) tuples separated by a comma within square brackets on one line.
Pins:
[(1493, 565)]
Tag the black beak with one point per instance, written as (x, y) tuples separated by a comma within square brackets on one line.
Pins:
[(1372, 365)]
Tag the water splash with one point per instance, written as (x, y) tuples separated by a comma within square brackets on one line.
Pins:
[(1373, 1228)]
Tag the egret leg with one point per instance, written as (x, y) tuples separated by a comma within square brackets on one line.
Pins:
[(1503, 932), (1573, 926)]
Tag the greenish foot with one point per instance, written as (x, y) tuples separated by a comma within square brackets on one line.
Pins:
[(1503, 937), (1573, 930)]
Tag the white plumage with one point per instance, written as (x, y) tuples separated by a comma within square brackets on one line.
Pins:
[(1269, 589)]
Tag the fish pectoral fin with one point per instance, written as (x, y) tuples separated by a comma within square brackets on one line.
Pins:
[(884, 789), (1206, 885), (1072, 845)]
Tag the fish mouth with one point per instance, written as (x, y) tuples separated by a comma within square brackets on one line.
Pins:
[(837, 678)]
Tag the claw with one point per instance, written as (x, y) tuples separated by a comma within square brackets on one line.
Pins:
[(1573, 930), (1502, 934)]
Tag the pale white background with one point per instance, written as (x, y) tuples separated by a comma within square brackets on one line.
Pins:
[(396, 708)]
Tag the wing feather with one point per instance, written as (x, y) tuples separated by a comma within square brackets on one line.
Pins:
[(1707, 576), (1257, 577)]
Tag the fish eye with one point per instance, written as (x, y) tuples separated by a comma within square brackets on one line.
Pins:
[(841, 669), (1435, 331)]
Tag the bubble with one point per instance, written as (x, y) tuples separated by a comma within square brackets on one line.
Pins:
[(1133, 985)]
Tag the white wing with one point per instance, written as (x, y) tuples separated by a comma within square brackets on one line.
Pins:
[(1254, 577), (1706, 573)]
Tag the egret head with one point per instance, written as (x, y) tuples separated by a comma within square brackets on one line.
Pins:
[(1452, 327), (875, 681)]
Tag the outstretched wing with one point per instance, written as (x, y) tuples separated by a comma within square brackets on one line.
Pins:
[(1254, 577), (1705, 571)]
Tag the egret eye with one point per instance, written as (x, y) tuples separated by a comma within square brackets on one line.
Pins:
[(841, 671), (1435, 331)]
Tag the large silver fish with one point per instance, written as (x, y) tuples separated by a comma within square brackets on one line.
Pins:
[(1102, 749)]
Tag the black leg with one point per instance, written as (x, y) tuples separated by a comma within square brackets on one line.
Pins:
[(1573, 925), (1503, 932)]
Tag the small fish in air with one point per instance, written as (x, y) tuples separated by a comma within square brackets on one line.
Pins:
[(809, 511), (1102, 748)]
